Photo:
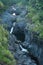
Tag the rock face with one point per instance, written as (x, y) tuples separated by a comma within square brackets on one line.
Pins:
[(21, 36), (21, 56)]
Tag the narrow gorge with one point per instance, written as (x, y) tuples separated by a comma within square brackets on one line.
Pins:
[(25, 50)]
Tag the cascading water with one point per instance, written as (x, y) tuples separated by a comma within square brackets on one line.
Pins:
[(13, 8), (14, 22), (23, 49), (12, 28), (13, 14), (21, 36)]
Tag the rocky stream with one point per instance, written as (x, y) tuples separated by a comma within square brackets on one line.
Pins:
[(25, 50)]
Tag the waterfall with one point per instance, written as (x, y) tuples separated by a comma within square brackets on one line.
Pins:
[(13, 8), (12, 28), (23, 49), (13, 14)]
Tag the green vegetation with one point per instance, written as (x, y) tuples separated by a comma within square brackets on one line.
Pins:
[(35, 13), (5, 55), (2, 7)]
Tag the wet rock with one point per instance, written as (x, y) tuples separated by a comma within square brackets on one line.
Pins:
[(23, 59), (14, 9), (41, 58), (20, 33), (7, 20), (11, 10), (35, 50), (26, 44), (18, 11), (12, 45), (23, 13), (7, 17), (21, 25)]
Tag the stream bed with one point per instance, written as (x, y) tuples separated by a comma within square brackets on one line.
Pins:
[(20, 45)]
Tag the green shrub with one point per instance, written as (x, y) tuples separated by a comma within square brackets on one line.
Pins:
[(35, 13), (35, 18), (5, 54), (1, 5)]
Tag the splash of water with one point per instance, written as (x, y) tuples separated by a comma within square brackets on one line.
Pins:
[(13, 14), (23, 49)]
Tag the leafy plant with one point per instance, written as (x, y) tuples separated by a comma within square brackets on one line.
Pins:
[(5, 54)]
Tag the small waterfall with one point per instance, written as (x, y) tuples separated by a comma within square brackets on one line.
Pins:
[(13, 14), (11, 30), (23, 49), (13, 8)]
